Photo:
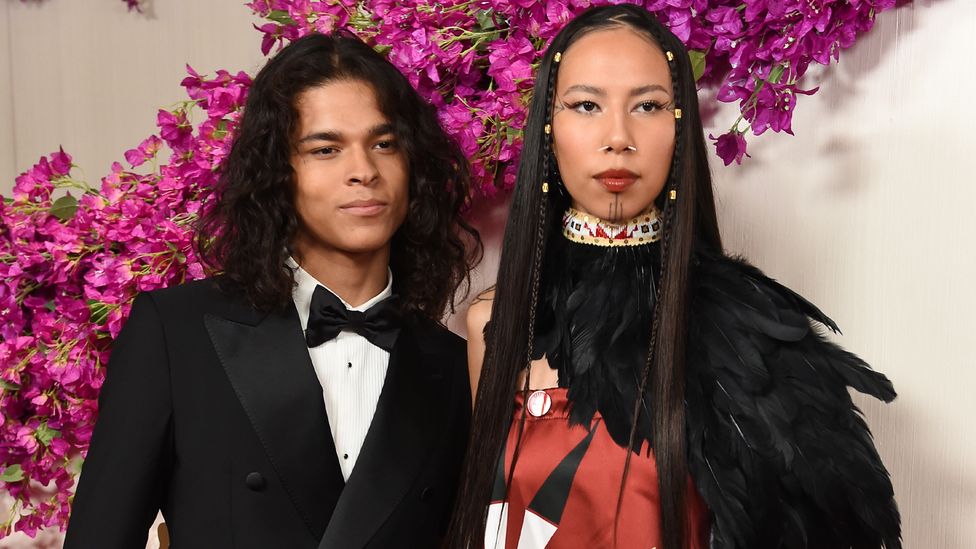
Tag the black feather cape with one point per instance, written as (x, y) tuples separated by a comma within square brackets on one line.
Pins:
[(777, 449)]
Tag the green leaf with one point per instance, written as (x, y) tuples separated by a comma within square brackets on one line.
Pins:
[(221, 131), (776, 74), (65, 207), (281, 17), (50, 305), (12, 474), (697, 63), (74, 465), (44, 434), (99, 312), (7, 386), (485, 19)]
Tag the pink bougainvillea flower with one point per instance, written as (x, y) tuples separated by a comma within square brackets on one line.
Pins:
[(175, 130), (146, 150), (730, 147)]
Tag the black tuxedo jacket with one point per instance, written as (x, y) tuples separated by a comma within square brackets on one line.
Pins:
[(212, 413)]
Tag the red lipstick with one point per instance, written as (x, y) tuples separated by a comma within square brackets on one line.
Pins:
[(616, 180)]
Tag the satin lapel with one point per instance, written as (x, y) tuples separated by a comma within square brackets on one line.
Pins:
[(269, 367), (410, 416)]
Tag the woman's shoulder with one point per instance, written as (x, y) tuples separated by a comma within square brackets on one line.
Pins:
[(479, 312)]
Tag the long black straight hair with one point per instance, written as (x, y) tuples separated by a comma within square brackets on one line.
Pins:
[(689, 221)]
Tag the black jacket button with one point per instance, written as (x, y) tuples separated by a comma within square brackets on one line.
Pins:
[(425, 494), (255, 481)]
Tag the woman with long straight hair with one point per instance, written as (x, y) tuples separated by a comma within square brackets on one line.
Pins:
[(634, 386)]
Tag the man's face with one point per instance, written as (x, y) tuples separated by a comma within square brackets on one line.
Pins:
[(351, 177)]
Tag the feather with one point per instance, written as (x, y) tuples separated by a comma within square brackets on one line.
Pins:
[(594, 321), (777, 448)]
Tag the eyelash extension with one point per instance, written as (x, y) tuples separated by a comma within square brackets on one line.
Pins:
[(573, 106), (657, 105)]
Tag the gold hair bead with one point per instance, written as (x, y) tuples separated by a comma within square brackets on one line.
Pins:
[(558, 56), (673, 194), (545, 187), (548, 129), (670, 56), (677, 114)]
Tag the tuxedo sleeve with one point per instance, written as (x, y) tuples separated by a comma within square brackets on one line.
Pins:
[(123, 478)]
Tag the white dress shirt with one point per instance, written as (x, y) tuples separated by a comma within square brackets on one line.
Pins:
[(350, 369)]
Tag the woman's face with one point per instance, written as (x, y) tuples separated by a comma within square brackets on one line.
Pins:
[(613, 123)]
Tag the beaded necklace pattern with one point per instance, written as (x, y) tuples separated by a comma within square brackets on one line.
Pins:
[(588, 229)]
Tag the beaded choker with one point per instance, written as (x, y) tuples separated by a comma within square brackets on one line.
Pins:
[(588, 229)]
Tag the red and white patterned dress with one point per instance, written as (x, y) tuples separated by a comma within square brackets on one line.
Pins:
[(566, 485)]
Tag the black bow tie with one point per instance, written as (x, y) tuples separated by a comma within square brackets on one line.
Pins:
[(328, 316)]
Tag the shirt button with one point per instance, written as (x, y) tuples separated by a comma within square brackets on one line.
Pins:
[(349, 364), (345, 456), (255, 481)]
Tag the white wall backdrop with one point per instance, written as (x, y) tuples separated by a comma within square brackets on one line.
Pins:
[(89, 75), (868, 211)]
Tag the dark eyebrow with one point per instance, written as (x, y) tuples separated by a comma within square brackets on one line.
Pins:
[(334, 135), (600, 91), (322, 136), (647, 89), (380, 129), (586, 88)]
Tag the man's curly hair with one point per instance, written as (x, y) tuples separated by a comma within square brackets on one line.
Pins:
[(248, 234)]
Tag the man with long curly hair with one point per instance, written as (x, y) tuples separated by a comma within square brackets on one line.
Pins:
[(307, 396)]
